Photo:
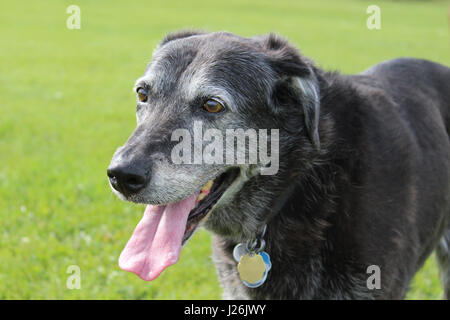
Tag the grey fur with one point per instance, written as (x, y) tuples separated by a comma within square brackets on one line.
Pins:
[(364, 172)]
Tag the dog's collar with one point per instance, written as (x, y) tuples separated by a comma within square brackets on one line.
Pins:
[(254, 263)]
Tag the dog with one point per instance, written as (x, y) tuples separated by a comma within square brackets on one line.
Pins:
[(360, 197)]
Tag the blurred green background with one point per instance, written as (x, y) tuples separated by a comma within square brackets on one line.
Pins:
[(66, 103)]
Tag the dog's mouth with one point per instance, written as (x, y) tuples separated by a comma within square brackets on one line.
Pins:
[(209, 195), (157, 240)]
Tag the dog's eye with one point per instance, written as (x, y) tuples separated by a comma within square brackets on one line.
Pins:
[(213, 106), (142, 94)]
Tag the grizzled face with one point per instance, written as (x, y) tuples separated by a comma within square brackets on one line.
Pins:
[(218, 80), (197, 90)]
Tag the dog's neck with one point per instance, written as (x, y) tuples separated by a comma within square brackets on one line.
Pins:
[(297, 222), (302, 211)]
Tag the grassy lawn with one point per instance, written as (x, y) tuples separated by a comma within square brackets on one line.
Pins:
[(67, 104)]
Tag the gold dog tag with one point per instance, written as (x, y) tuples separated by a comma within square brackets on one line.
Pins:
[(251, 267)]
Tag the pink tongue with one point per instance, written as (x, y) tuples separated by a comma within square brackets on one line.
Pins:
[(156, 241)]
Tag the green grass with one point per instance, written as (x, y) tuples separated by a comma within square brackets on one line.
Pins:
[(66, 104)]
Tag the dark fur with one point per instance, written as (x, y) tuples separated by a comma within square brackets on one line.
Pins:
[(364, 174)]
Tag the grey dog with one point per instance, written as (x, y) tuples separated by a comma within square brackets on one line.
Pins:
[(363, 178)]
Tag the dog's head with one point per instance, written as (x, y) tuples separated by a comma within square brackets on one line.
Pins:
[(215, 114)]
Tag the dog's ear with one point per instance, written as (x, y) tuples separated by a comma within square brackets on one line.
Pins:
[(297, 78), (308, 89), (179, 35)]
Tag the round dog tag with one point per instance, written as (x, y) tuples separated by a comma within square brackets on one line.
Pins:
[(253, 263), (251, 268)]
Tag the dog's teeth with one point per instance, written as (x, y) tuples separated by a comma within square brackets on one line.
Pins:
[(207, 186), (204, 191), (201, 196)]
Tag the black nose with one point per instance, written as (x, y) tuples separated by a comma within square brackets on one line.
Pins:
[(127, 179)]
